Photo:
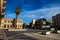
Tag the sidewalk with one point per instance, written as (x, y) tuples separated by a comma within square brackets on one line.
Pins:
[(2, 35)]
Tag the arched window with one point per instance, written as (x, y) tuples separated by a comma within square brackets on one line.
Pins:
[(4, 26), (7, 26)]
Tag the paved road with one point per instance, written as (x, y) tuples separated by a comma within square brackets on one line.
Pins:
[(30, 35)]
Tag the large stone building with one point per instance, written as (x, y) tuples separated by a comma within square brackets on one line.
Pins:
[(2, 9), (41, 23), (10, 23), (56, 20)]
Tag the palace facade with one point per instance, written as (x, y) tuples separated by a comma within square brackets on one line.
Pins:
[(10, 23)]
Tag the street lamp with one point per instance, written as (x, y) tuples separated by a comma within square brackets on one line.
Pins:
[(17, 10)]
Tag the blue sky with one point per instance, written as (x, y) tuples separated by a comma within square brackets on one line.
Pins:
[(32, 9)]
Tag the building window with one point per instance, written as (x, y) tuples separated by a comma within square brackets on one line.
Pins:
[(4, 26), (8, 26), (4, 4), (3, 10), (11, 21)]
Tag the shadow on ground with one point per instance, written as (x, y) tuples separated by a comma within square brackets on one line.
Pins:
[(18, 35)]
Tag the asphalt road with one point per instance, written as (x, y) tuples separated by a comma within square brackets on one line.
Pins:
[(30, 35)]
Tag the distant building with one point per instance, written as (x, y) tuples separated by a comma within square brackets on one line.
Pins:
[(42, 24), (56, 20), (25, 25), (9, 23), (39, 23), (32, 23)]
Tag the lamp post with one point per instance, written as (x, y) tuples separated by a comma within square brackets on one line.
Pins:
[(17, 10)]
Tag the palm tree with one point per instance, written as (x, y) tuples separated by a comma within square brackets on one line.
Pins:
[(17, 10)]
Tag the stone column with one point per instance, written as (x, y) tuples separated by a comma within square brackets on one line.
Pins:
[(6, 26)]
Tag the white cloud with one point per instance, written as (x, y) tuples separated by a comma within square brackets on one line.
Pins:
[(39, 13), (44, 12)]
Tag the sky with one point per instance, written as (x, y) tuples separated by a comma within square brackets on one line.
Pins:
[(32, 9)]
